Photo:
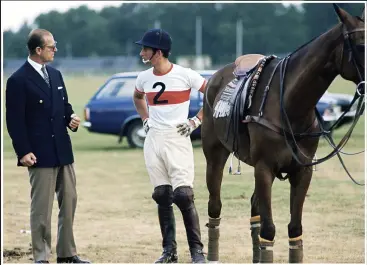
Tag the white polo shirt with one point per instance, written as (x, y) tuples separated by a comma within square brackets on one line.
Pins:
[(168, 95)]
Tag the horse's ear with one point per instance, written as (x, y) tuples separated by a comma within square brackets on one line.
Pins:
[(339, 12), (343, 15)]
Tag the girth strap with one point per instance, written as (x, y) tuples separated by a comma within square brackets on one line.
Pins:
[(263, 122), (278, 129)]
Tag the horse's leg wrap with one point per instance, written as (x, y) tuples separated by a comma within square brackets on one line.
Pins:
[(296, 250), (255, 231), (213, 239), (266, 250)]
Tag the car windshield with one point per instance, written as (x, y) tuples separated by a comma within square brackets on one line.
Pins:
[(117, 87)]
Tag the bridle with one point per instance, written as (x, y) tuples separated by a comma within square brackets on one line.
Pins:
[(359, 95), (353, 55)]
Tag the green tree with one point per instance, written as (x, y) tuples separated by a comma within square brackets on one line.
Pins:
[(268, 28), (321, 17), (15, 44)]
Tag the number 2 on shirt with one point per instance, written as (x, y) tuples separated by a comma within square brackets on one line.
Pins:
[(155, 99)]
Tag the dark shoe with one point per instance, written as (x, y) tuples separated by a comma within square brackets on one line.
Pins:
[(42, 261), (74, 259), (197, 256), (168, 257)]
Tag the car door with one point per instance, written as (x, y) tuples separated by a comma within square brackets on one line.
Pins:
[(112, 105)]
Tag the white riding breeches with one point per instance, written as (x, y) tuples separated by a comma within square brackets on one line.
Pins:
[(169, 158)]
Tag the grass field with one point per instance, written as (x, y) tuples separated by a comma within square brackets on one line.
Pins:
[(116, 219)]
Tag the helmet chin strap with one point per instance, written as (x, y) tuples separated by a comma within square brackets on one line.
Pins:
[(147, 61)]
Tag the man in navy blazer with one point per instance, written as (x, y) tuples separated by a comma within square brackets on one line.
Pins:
[(38, 114)]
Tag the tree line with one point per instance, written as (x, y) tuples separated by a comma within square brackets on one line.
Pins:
[(268, 28)]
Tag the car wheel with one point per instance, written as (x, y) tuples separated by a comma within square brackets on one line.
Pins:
[(136, 134)]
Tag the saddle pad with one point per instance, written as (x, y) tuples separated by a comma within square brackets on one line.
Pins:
[(226, 101)]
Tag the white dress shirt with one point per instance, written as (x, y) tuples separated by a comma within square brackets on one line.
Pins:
[(36, 66)]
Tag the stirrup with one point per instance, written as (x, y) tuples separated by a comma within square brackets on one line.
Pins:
[(238, 172), (314, 168)]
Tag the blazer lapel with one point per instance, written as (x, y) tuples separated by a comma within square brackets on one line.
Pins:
[(37, 79), (54, 93)]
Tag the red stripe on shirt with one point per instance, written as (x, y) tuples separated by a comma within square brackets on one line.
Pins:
[(168, 97)]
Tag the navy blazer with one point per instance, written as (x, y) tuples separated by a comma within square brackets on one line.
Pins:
[(37, 117)]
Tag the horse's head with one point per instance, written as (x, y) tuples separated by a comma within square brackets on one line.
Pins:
[(351, 63)]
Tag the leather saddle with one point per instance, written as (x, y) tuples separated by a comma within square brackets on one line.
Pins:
[(248, 70), (245, 67), (246, 62)]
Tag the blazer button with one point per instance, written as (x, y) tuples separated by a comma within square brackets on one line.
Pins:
[(52, 119), (63, 98), (53, 135), (41, 101)]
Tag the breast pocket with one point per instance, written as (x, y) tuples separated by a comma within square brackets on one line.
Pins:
[(60, 90), (59, 100)]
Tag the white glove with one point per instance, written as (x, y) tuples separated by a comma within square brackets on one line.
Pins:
[(188, 127), (145, 125)]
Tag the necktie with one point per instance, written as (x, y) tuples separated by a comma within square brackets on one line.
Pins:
[(45, 76)]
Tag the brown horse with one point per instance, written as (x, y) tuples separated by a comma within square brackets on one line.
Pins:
[(287, 92)]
